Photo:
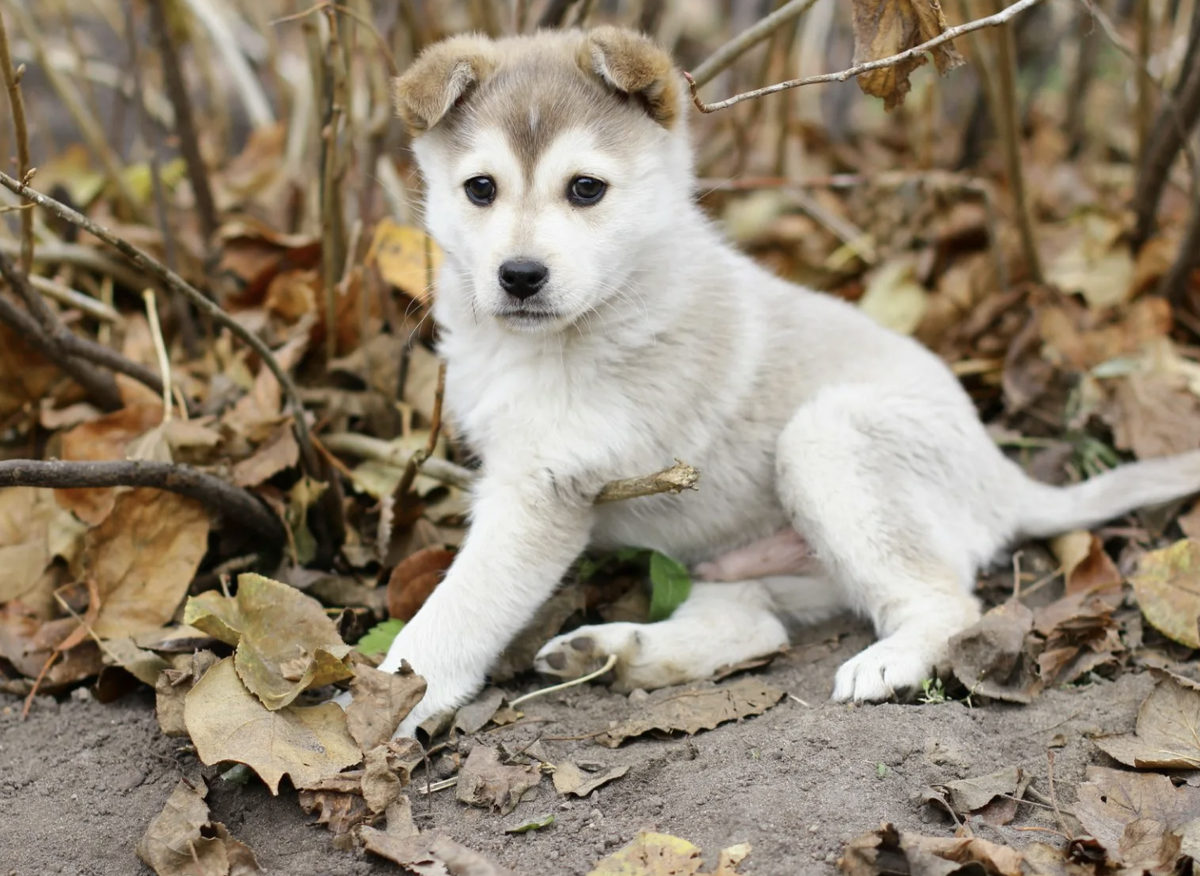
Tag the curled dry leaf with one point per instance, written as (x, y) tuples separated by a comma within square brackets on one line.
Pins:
[(660, 854), (1081, 634), (691, 711), (1138, 817), (227, 722), (285, 641), (414, 579), (570, 779), (172, 686), (992, 658), (486, 782), (994, 797), (428, 855), (181, 841), (888, 27), (1165, 736), (33, 530), (339, 811), (888, 850), (143, 557), (1167, 586), (1085, 564), (379, 701), (474, 716)]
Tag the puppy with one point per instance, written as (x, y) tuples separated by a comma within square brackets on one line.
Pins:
[(595, 325)]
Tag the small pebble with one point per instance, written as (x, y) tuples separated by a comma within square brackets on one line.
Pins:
[(813, 828), (638, 695)]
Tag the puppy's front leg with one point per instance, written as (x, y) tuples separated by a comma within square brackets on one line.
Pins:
[(526, 530)]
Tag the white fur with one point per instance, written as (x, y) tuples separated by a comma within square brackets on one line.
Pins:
[(798, 410)]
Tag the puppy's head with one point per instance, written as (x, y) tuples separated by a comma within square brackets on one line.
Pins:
[(554, 165)]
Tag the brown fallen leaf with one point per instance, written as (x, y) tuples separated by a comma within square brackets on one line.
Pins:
[(891, 851), (285, 641), (277, 453), (143, 557), (427, 855), (33, 530), (143, 665), (887, 27), (380, 784), (1081, 634), (1085, 564), (993, 797), (1167, 586), (106, 438), (993, 657), (474, 716), (1136, 816), (181, 840), (570, 779), (488, 783), (227, 722), (339, 811), (1165, 735), (172, 686), (379, 702), (691, 711), (406, 256), (414, 579), (547, 623)]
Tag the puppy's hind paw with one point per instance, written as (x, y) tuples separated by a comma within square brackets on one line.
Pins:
[(888, 669)]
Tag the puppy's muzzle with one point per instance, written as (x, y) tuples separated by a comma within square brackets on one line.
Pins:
[(523, 278)]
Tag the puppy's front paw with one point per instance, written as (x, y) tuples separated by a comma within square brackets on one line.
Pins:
[(889, 668)]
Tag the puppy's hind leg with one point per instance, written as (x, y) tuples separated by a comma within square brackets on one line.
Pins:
[(718, 625), (876, 483)]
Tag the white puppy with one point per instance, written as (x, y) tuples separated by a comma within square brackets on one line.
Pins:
[(595, 325)]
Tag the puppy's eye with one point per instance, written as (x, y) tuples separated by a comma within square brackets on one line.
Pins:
[(481, 190), (586, 190)]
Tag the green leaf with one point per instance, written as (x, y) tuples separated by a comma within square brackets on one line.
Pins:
[(379, 638), (670, 585), (534, 824)]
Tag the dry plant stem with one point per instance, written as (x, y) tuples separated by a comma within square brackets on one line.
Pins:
[(98, 385), (945, 37), (66, 348), (80, 301), (238, 505), (212, 14), (175, 282), (185, 126), (723, 57), (1174, 285), (1081, 80), (91, 130), (1008, 123), (78, 256), (12, 83), (333, 231), (160, 350), (1144, 83), (1170, 133), (574, 682), (675, 479)]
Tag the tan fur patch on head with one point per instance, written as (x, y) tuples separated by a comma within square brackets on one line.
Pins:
[(441, 76), (632, 63)]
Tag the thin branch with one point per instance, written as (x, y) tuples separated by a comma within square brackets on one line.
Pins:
[(12, 82), (1143, 106), (944, 37), (69, 297), (723, 57), (148, 263), (238, 505), (98, 385), (79, 256), (675, 479), (185, 126), (68, 348)]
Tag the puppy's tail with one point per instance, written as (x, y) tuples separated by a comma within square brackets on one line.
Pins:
[(1048, 511)]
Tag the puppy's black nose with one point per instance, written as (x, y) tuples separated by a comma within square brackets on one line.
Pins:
[(522, 278)]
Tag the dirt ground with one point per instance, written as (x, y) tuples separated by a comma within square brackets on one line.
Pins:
[(79, 781)]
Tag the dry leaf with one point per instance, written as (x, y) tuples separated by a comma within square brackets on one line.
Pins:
[(993, 797), (992, 658), (570, 779), (407, 258), (278, 453), (1167, 586), (1134, 815), (379, 702), (285, 641), (33, 530), (226, 722), (414, 579), (380, 784), (1081, 635), (426, 855), (547, 623), (1166, 733), (172, 685), (106, 438), (474, 716), (143, 557), (660, 854), (1085, 564), (887, 850), (691, 711), (887, 27), (486, 782), (339, 811), (181, 841)]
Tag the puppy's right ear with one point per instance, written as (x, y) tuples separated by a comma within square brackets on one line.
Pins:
[(440, 77)]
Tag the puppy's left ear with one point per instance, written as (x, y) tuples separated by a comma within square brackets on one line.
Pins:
[(632, 64), (443, 75)]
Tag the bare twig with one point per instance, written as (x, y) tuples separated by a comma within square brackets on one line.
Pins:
[(64, 347), (12, 83), (173, 281), (1143, 107), (723, 57), (160, 350), (944, 37), (238, 505), (79, 256), (185, 126), (333, 220), (1008, 122), (69, 297), (675, 479)]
